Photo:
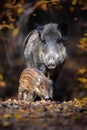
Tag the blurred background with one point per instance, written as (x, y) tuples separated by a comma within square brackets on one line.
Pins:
[(18, 17)]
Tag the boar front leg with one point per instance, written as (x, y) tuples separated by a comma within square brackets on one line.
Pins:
[(23, 93), (31, 96), (20, 93), (51, 89)]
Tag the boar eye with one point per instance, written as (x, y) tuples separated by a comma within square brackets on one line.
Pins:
[(44, 41), (42, 87), (59, 40)]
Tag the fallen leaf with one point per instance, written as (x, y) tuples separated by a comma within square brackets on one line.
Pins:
[(82, 80), (20, 10), (6, 124), (6, 116), (15, 32), (82, 70), (74, 2)]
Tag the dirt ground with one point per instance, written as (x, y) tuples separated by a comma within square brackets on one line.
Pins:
[(40, 115)]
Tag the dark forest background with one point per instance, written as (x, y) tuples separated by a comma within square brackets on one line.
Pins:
[(18, 17)]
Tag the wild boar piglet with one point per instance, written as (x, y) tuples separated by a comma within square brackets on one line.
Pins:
[(31, 83)]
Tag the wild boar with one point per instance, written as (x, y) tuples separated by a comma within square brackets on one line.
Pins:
[(32, 83), (45, 51)]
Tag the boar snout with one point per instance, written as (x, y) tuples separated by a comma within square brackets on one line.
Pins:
[(52, 60), (47, 96)]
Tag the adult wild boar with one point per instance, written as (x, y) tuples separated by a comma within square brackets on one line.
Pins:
[(45, 51)]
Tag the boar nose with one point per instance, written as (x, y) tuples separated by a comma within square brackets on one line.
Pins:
[(46, 97)]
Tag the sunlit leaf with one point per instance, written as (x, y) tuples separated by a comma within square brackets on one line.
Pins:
[(20, 10), (83, 40), (2, 84), (6, 116), (78, 103), (82, 80), (85, 86), (1, 77), (37, 4), (11, 19), (74, 2), (34, 14), (44, 6), (54, 1), (85, 34), (84, 99), (15, 32), (18, 115), (72, 9), (9, 26), (84, 7), (6, 124), (82, 71), (83, 43)]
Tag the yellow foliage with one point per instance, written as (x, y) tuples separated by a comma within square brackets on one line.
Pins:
[(9, 26), (20, 10), (54, 1), (83, 40), (85, 34), (15, 32), (11, 19), (18, 115), (83, 43), (82, 80), (74, 2), (1, 77), (6, 116), (37, 4), (78, 103), (84, 3), (84, 99), (43, 4), (85, 86), (6, 124), (2, 83), (82, 70), (72, 9)]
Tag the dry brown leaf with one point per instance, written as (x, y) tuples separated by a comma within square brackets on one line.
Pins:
[(2, 84)]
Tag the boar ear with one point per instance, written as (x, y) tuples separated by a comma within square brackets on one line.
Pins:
[(63, 27), (37, 81), (39, 28)]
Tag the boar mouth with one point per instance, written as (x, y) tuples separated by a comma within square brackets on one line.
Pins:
[(51, 66), (45, 97)]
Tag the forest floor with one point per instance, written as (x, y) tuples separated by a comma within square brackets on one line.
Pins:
[(43, 115)]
